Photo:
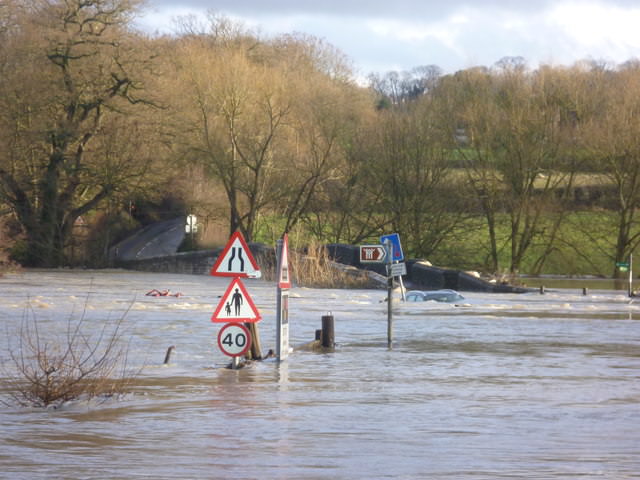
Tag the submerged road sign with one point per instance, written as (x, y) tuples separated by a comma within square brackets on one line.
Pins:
[(234, 339), (372, 253), (236, 260), (236, 305)]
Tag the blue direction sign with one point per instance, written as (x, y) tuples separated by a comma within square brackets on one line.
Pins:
[(396, 248)]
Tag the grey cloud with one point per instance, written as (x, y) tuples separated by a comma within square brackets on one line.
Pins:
[(347, 25), (362, 8)]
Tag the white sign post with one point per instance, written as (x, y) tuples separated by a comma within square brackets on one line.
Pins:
[(282, 300), (191, 228), (282, 342), (192, 224), (630, 275)]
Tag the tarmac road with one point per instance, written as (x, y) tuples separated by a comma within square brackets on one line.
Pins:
[(156, 240)]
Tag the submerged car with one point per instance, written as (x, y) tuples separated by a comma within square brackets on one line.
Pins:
[(446, 296)]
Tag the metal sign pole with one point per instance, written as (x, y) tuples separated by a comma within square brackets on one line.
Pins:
[(630, 275), (389, 248), (404, 297), (282, 309), (278, 302)]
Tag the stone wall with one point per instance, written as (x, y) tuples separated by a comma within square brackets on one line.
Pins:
[(419, 274), (422, 276), (194, 263)]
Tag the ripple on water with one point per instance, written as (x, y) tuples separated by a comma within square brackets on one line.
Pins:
[(505, 387)]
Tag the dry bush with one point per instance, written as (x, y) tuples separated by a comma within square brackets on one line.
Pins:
[(316, 269), (53, 368)]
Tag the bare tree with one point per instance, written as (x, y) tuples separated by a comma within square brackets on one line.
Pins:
[(50, 368), (237, 117), (396, 88), (514, 153), (67, 69), (610, 134), (267, 119), (409, 161), (327, 111)]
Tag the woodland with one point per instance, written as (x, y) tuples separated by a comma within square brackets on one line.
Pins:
[(104, 128)]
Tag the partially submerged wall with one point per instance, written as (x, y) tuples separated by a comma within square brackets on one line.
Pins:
[(423, 276), (194, 263), (419, 274)]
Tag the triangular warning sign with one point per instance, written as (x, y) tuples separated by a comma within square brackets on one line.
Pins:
[(236, 260), (284, 277), (236, 305)]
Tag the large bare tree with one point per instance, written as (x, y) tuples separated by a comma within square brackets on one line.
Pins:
[(512, 143), (68, 72), (234, 116), (266, 118), (610, 134), (409, 162)]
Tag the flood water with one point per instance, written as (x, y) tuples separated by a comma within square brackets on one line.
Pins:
[(501, 386)]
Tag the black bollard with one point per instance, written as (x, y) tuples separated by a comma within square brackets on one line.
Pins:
[(585, 291), (328, 332), (541, 289), (167, 357)]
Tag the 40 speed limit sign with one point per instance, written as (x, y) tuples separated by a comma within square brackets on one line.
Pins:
[(234, 339)]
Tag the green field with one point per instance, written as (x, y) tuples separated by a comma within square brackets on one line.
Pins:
[(584, 246)]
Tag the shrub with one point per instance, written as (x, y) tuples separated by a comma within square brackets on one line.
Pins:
[(316, 269), (53, 368)]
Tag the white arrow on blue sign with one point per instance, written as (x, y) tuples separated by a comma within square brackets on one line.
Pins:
[(396, 248)]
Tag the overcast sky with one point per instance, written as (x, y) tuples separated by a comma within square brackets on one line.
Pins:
[(398, 35)]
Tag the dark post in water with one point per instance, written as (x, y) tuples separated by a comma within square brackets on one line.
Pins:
[(328, 335)]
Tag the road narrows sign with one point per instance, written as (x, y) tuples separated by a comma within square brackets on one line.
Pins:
[(236, 305), (234, 339), (236, 260)]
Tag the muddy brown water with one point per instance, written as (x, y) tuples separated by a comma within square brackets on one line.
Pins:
[(499, 386)]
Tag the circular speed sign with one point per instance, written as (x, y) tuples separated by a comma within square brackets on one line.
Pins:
[(234, 339)]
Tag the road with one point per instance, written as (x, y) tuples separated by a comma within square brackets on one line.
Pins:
[(156, 240)]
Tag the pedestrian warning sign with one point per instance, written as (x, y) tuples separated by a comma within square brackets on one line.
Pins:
[(236, 305), (236, 260)]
